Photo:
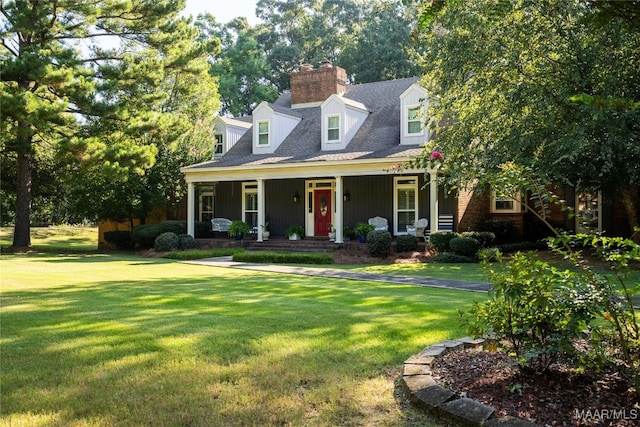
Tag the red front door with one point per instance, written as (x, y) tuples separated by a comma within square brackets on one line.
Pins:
[(322, 212)]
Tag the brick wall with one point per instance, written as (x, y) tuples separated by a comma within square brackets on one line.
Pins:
[(316, 85), (473, 210)]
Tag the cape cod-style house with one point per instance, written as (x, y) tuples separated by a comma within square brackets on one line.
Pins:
[(324, 156)]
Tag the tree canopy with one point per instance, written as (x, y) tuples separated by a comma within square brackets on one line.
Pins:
[(93, 82), (552, 85)]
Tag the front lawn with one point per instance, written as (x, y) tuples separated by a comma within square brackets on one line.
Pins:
[(115, 340)]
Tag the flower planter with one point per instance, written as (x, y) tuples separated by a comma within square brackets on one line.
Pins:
[(332, 237), (294, 236)]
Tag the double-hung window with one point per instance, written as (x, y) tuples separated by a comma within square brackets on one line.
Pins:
[(504, 204), (405, 202), (217, 144), (263, 133), (250, 203), (333, 128), (414, 120)]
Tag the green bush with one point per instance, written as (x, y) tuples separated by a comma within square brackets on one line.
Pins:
[(185, 241), (167, 241), (485, 238), (500, 227), (506, 248), (144, 235), (467, 246), (406, 243), (175, 226), (282, 258), (439, 240), (451, 258), (202, 229), (539, 310), (119, 239), (379, 243), (363, 229)]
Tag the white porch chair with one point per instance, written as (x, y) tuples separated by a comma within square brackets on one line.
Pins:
[(419, 229), (379, 223), (220, 224)]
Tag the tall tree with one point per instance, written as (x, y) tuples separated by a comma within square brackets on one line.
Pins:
[(539, 82), (84, 78)]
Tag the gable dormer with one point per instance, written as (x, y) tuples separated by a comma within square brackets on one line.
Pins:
[(226, 132), (341, 119), (413, 116), (271, 125)]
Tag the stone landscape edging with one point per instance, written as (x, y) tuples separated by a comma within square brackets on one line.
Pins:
[(443, 403)]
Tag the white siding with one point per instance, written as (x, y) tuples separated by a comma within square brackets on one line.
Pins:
[(351, 118), (413, 97), (280, 126)]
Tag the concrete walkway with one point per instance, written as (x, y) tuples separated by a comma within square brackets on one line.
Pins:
[(345, 274)]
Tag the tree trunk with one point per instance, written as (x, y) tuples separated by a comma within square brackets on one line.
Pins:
[(22, 229), (631, 201)]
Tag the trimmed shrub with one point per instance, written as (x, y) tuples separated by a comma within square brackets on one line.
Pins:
[(500, 227), (379, 243), (485, 238), (144, 235), (523, 246), (467, 246), (451, 258), (185, 241), (202, 229), (439, 240), (119, 239), (166, 242), (282, 258), (175, 226), (406, 243)]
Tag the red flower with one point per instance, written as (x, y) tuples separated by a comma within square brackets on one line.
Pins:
[(436, 155)]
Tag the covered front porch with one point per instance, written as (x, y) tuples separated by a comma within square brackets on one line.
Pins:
[(313, 197)]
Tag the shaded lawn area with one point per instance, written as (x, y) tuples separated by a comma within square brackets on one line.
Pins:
[(57, 237), (115, 340)]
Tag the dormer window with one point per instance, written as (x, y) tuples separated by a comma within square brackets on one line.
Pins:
[(217, 144), (263, 133), (414, 120), (333, 128)]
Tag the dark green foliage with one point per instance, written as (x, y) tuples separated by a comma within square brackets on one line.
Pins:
[(363, 229), (348, 233), (523, 246), (538, 309), (467, 246), (406, 243), (282, 258), (167, 241), (120, 239), (379, 243), (439, 240), (485, 238), (202, 229), (185, 241), (144, 235), (238, 228), (501, 228), (451, 258), (174, 226)]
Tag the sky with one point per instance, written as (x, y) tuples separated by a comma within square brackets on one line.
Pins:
[(224, 10)]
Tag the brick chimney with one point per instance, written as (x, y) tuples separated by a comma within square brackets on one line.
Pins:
[(309, 85)]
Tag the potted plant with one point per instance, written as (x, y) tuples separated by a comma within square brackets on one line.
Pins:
[(332, 233), (265, 231), (362, 229), (238, 229), (348, 233), (295, 232)]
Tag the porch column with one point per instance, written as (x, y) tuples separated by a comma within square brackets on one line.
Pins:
[(191, 209), (339, 206), (433, 201), (261, 205)]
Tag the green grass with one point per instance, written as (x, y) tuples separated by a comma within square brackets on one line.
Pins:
[(192, 254), (465, 272), (116, 340), (56, 238)]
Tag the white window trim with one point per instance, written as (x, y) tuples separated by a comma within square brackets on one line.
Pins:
[(333, 141), (268, 122), (517, 208), (201, 205), (406, 120), (399, 186), (578, 194), (217, 144), (249, 188)]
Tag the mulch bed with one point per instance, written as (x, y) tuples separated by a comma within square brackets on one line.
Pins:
[(560, 397)]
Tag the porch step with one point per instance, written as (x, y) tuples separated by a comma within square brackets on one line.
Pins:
[(304, 245)]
